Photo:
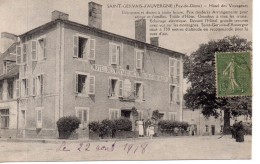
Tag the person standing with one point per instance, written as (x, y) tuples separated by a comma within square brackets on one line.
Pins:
[(146, 126), (240, 132), (140, 124)]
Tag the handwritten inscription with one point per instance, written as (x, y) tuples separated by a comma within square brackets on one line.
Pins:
[(105, 147)]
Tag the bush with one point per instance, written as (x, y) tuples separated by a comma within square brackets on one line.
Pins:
[(173, 127), (106, 128), (67, 126), (123, 124), (94, 126), (109, 128)]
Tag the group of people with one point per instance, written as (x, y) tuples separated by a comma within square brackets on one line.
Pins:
[(146, 128), (238, 131)]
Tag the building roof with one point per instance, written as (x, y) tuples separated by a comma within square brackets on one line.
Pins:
[(7, 55), (103, 32)]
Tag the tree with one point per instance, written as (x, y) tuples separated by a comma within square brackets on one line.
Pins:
[(199, 69)]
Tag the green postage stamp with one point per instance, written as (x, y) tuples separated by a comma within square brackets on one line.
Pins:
[(233, 74)]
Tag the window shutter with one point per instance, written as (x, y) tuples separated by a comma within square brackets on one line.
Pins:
[(17, 88), (119, 54), (109, 87), (34, 86), (18, 55), (27, 87), (120, 88), (80, 115), (34, 50), (92, 49), (85, 115), (76, 83), (39, 118), (143, 90), (135, 94), (116, 114), (42, 84), (178, 94), (139, 62), (113, 54), (24, 58), (75, 46), (91, 89), (44, 49)]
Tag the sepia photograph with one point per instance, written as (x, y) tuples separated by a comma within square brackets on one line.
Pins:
[(131, 80)]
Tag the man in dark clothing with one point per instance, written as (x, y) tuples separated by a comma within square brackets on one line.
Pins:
[(240, 132)]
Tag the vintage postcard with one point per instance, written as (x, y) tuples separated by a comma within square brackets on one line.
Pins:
[(84, 80)]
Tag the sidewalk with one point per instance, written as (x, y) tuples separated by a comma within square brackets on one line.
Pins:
[(43, 140)]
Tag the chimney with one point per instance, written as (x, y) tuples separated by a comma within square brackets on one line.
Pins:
[(7, 39), (95, 15), (59, 15), (140, 30), (154, 41)]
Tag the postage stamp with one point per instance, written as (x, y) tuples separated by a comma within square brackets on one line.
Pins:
[(233, 74)]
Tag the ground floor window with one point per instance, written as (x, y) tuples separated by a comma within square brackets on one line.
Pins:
[(4, 113), (38, 111), (83, 114), (207, 128), (114, 114), (172, 116)]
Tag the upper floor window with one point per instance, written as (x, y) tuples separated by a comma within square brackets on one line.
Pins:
[(174, 69), (139, 54), (85, 83), (115, 87), (115, 53), (38, 49), (84, 47), (139, 90), (24, 88), (10, 88), (172, 93), (38, 85)]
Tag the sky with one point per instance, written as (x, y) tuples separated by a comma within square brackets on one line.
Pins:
[(19, 16)]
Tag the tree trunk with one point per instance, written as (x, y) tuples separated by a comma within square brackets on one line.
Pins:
[(226, 129)]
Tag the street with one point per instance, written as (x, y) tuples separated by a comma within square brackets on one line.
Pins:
[(198, 147)]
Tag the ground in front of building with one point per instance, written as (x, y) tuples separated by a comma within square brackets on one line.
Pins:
[(197, 147)]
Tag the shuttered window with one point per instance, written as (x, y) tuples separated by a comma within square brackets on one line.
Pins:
[(115, 52), (84, 84), (91, 85), (24, 58), (34, 50), (114, 114), (172, 67), (139, 59), (92, 53)]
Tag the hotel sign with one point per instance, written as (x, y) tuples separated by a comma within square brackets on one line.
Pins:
[(141, 75)]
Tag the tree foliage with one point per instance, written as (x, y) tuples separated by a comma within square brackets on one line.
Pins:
[(199, 69)]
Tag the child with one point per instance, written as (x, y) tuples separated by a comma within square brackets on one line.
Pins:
[(150, 131)]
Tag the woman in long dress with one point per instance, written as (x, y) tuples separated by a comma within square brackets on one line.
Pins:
[(140, 124)]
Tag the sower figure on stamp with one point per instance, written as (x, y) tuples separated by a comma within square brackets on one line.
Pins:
[(231, 71)]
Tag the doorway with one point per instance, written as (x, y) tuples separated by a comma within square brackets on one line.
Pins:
[(213, 129)]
